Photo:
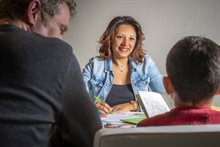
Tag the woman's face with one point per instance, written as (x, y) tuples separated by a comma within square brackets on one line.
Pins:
[(124, 41)]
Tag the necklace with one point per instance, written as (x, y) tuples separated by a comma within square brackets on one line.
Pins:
[(120, 68)]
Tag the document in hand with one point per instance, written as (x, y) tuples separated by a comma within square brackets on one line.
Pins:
[(152, 103)]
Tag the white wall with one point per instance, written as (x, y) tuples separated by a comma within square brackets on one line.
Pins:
[(163, 21)]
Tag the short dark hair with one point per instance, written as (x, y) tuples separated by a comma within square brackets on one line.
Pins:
[(107, 38), (193, 66), (15, 9)]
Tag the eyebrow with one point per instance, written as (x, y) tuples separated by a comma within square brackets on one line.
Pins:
[(133, 35)]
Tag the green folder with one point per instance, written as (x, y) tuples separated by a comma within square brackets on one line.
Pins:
[(133, 120)]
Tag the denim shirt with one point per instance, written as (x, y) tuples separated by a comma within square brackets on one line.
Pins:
[(98, 77)]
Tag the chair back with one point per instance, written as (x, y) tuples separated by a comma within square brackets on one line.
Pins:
[(162, 136)]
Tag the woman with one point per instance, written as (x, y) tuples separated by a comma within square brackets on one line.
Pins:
[(122, 69)]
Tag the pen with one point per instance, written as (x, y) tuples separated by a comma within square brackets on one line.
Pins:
[(100, 100)]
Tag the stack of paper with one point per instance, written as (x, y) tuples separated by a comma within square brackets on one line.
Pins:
[(118, 120)]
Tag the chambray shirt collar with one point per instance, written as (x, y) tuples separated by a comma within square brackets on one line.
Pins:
[(136, 68), (108, 65), (133, 64)]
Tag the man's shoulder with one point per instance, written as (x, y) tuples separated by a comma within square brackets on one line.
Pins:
[(157, 120), (53, 46), (54, 42), (31, 38)]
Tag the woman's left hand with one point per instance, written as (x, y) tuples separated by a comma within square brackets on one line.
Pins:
[(125, 107)]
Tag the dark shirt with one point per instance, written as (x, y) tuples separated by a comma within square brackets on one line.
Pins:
[(42, 94), (120, 94), (184, 116)]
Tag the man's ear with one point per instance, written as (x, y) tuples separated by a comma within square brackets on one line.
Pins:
[(32, 12), (168, 85), (218, 92)]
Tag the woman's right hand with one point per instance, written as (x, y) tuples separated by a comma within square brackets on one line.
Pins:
[(103, 107)]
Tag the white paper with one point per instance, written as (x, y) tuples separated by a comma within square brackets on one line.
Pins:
[(118, 117)]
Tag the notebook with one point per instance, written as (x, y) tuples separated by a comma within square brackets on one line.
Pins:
[(152, 103)]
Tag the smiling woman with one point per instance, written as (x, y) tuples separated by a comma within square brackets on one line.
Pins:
[(122, 69)]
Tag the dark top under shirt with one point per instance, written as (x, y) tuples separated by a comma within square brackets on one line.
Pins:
[(120, 94)]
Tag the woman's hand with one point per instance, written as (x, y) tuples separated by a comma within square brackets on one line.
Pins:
[(125, 107), (104, 108)]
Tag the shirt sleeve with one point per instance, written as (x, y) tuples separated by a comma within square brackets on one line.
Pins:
[(156, 78)]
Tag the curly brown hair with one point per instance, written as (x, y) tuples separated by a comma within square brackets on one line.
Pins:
[(15, 10), (109, 34)]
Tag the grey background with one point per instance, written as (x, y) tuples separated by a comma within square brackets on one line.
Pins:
[(164, 22)]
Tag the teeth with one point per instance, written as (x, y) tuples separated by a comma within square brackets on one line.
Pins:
[(123, 49)]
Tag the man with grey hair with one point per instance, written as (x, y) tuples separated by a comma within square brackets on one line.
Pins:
[(43, 101)]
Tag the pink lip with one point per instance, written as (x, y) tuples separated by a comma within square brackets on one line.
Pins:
[(123, 49)]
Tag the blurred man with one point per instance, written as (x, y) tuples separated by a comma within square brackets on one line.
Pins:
[(42, 95)]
